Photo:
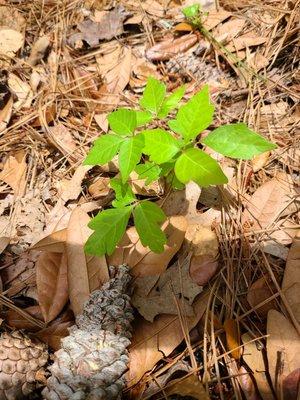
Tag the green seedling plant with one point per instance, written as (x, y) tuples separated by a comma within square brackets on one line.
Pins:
[(161, 140)]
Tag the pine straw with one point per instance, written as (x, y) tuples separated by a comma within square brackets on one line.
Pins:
[(241, 264)]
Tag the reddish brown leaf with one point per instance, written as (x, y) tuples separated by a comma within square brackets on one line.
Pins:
[(233, 337), (171, 47), (260, 291), (52, 284), (202, 269), (18, 321), (291, 385)]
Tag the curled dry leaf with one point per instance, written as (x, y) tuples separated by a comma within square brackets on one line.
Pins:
[(52, 284), (89, 270), (174, 285), (254, 358), (171, 47), (233, 338), (144, 262), (21, 90), (283, 348), (14, 172), (153, 341), (38, 50), (261, 290), (291, 277)]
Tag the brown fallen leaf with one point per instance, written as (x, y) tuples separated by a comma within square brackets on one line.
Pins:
[(38, 50), (215, 17), (261, 290), (144, 262), (203, 268), (52, 284), (72, 188), (109, 25), (171, 47), (18, 321), (11, 41), (244, 41), (232, 331), (291, 385), (102, 121), (254, 358), (153, 7), (21, 90), (10, 17), (247, 384), (291, 277), (57, 330), (139, 186), (269, 202), (5, 113), (158, 294), (14, 172), (54, 242), (99, 188), (4, 241), (153, 341), (258, 162), (89, 270), (187, 386), (283, 348), (62, 139)]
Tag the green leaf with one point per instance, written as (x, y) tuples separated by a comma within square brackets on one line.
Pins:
[(195, 116), (153, 95), (123, 121), (147, 219), (195, 165), (160, 145), (191, 11), (148, 171), (109, 226), (123, 192), (237, 141), (130, 154), (103, 150), (171, 102), (143, 117)]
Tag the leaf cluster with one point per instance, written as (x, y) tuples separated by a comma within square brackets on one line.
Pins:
[(170, 151)]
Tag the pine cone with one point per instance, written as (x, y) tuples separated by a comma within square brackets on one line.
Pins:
[(21, 365), (93, 358)]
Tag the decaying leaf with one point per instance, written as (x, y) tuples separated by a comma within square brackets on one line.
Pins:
[(291, 277), (52, 284), (254, 358), (171, 47), (158, 294), (21, 90), (261, 290), (89, 270), (144, 262), (14, 172), (109, 24), (283, 348), (152, 341)]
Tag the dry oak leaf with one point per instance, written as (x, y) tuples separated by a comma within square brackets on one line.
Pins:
[(174, 285), (14, 172), (254, 358), (141, 260), (283, 348), (109, 24), (261, 290), (189, 386), (269, 202), (291, 277), (153, 341), (85, 272), (171, 47), (52, 284)]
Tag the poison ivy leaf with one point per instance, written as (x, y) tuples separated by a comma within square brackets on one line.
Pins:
[(109, 226), (147, 219), (195, 116), (148, 171), (103, 150), (130, 154), (171, 102), (123, 121), (237, 141), (143, 117), (191, 11), (153, 95), (123, 192), (195, 165), (160, 145)]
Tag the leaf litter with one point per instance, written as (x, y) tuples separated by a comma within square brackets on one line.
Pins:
[(239, 243)]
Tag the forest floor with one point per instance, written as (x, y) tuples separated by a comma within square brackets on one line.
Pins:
[(226, 323)]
